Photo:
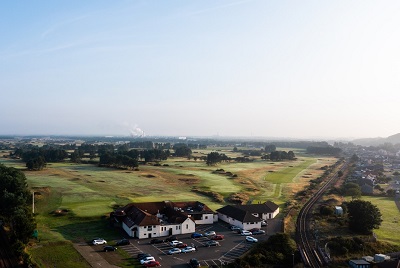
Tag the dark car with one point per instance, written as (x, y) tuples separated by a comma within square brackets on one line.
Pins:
[(171, 238), (143, 255), (196, 235), (181, 245), (156, 241), (123, 242), (109, 248), (194, 263)]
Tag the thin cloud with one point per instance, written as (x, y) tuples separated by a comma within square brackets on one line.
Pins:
[(219, 7), (55, 27)]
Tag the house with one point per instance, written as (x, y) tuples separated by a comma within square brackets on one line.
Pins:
[(359, 264), (248, 216), (156, 219)]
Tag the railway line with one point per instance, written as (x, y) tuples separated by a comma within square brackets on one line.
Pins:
[(310, 253)]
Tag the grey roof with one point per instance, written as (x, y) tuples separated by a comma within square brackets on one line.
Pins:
[(267, 207), (238, 214), (244, 213)]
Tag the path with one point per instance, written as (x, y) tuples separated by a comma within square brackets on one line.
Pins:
[(91, 256)]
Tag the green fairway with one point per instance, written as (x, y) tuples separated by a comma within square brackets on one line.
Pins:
[(73, 201), (389, 229)]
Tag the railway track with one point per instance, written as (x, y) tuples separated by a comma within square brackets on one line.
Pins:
[(310, 253)]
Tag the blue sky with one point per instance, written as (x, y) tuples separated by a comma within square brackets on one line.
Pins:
[(299, 69)]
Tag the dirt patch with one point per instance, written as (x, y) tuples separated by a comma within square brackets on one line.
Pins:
[(238, 198), (189, 180), (150, 176)]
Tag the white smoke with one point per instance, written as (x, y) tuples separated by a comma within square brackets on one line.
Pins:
[(137, 132)]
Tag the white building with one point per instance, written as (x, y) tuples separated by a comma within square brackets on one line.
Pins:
[(248, 216), (156, 219)]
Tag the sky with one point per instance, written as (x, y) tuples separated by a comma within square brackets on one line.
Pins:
[(251, 68)]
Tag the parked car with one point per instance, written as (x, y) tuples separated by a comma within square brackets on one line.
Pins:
[(211, 243), (217, 237), (251, 239), (235, 228), (264, 223), (109, 248), (174, 243), (99, 241), (171, 238), (174, 251), (196, 235), (156, 241), (254, 229), (194, 263), (123, 242), (257, 232), (152, 264), (188, 249), (244, 232), (143, 255), (209, 233), (181, 245), (147, 259)]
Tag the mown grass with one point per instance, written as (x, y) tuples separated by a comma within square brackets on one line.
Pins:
[(58, 254), (389, 229), (73, 201)]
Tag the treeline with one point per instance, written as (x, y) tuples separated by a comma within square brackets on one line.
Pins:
[(326, 150), (279, 156), (36, 158), (15, 213)]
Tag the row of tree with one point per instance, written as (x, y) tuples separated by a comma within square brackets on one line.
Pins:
[(279, 156), (14, 207)]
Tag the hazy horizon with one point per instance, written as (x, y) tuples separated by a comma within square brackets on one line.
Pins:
[(316, 69)]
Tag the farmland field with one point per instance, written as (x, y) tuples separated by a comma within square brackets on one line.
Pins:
[(74, 200)]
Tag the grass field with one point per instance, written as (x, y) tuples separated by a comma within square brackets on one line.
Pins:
[(389, 229), (74, 200)]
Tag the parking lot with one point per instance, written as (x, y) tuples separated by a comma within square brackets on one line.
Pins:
[(231, 247)]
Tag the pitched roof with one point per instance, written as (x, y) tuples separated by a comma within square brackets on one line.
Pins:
[(244, 213), (144, 214), (238, 214), (267, 207)]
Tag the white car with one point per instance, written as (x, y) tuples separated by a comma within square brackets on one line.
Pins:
[(235, 228), (174, 243), (188, 249), (147, 259), (99, 241), (244, 232), (251, 239), (209, 233), (174, 251)]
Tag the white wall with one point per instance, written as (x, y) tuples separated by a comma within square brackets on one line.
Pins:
[(230, 220), (127, 230), (206, 219)]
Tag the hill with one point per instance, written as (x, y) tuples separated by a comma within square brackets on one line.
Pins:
[(393, 139)]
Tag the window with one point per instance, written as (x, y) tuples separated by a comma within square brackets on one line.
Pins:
[(187, 226), (176, 227)]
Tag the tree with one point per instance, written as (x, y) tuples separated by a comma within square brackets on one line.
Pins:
[(363, 216), (214, 158), (269, 148), (352, 189)]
